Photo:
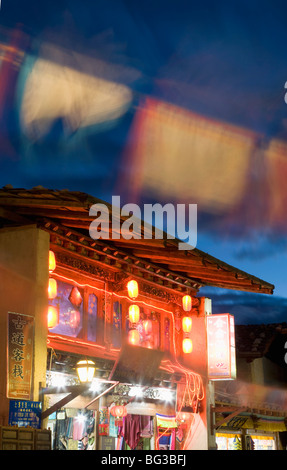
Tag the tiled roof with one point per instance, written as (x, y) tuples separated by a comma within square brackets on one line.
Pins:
[(70, 209)]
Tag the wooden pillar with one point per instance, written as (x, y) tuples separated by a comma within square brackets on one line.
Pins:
[(23, 289), (108, 315), (178, 330)]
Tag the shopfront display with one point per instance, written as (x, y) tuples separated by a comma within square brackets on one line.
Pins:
[(81, 429), (263, 442), (73, 429), (225, 441), (243, 441)]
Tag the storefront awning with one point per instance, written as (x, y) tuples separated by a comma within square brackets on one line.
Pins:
[(240, 419), (136, 365), (75, 396)]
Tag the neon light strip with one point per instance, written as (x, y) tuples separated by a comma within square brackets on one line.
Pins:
[(51, 336), (111, 293)]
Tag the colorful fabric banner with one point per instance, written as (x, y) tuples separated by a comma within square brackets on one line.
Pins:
[(164, 421)]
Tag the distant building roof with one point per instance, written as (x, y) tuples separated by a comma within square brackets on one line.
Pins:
[(256, 340)]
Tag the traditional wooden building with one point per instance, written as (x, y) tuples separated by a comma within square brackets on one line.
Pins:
[(149, 363)]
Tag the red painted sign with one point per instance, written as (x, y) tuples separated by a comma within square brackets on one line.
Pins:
[(20, 355), (221, 359)]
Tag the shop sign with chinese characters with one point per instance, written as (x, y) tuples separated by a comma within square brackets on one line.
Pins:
[(25, 413), (221, 357), (20, 355)]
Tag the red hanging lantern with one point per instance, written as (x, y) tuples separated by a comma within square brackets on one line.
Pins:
[(186, 303), (134, 337), (133, 289), (134, 313), (187, 346), (119, 412), (52, 289), (53, 317), (186, 324), (52, 261)]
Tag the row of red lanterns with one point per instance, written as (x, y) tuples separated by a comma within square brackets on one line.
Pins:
[(134, 311), (186, 325), (133, 292), (134, 316), (186, 328)]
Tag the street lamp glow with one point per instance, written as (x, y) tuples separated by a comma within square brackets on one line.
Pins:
[(86, 370)]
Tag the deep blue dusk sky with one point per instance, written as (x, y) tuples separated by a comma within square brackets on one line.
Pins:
[(224, 61)]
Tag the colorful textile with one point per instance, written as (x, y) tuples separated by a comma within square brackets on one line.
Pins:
[(131, 430), (113, 429), (146, 426), (237, 444), (78, 429), (164, 421), (167, 440), (103, 415)]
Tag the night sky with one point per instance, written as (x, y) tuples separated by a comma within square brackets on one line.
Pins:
[(98, 65)]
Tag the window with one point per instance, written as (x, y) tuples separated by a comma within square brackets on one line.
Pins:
[(149, 328), (70, 302), (117, 325), (92, 317), (78, 312), (81, 315), (166, 334)]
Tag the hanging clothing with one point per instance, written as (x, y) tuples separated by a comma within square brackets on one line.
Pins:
[(146, 426), (143, 444), (167, 427), (78, 429), (69, 428), (167, 439), (131, 430), (113, 429), (236, 444), (103, 415)]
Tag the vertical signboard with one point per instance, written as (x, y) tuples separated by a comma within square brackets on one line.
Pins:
[(221, 358), (20, 355)]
